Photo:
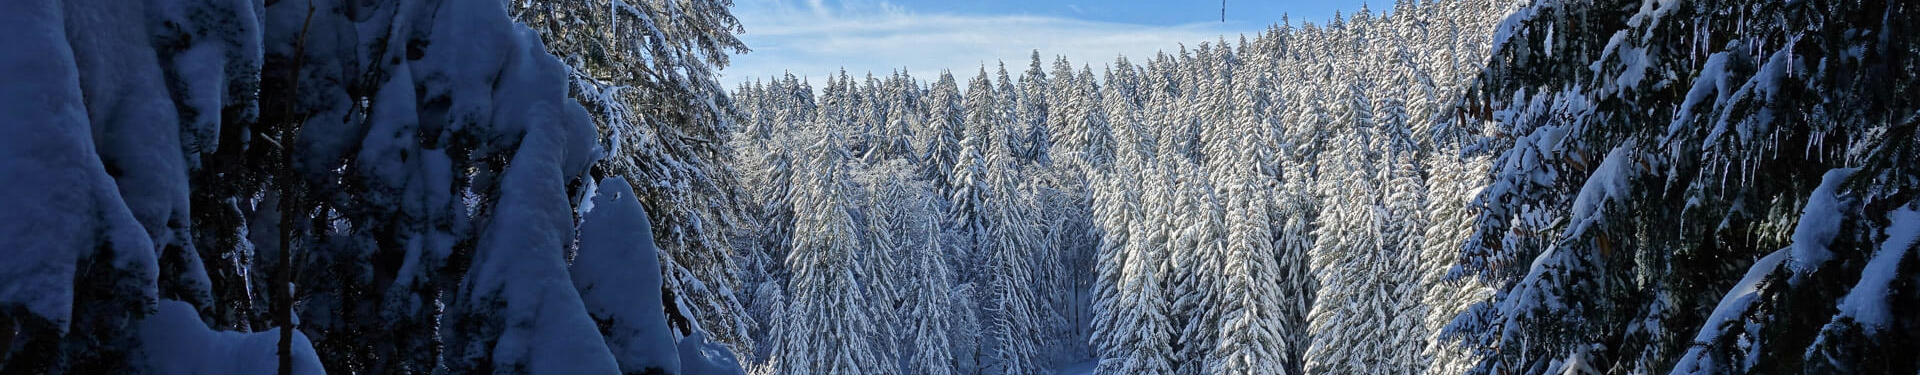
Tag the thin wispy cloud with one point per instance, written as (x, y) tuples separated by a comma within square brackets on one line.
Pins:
[(815, 38)]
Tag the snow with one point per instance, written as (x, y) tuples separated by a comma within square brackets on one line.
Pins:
[(1819, 224), (178, 343), (1867, 303), (1635, 64), (1730, 310), (1083, 368), (1510, 27), (1613, 45), (135, 127), (1741, 295), (618, 274), (215, 69), (1608, 183), (1713, 80), (47, 139), (137, 135), (1763, 87), (518, 308), (1651, 11), (698, 356), (61, 204)]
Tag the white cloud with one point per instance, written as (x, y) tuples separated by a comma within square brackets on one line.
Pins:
[(820, 37)]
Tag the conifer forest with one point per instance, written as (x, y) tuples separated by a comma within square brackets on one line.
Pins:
[(552, 187)]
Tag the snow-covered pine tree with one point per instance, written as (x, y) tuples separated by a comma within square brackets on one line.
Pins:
[(931, 305), (1656, 224), (647, 71), (828, 328), (1006, 105), (1253, 335), (1116, 205), (941, 138), (1033, 110), (1141, 328), (1197, 252), (1454, 177), (1016, 315)]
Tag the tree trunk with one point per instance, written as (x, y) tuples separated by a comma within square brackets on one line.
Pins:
[(289, 204), (283, 273)]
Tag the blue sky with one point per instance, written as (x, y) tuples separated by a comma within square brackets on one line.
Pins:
[(813, 38), (1146, 12)]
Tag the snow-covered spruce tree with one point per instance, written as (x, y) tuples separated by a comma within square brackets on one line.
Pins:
[(1253, 335), (1197, 256), (1032, 133), (1295, 208), (931, 304), (347, 172), (939, 140), (400, 169), (1084, 138), (1196, 266), (895, 206), (828, 328), (900, 97), (390, 172), (1124, 90), (1016, 315), (217, 106), (381, 195), (1116, 205), (1065, 269), (1082, 146), (1145, 331), (1672, 230), (1006, 105), (1452, 179), (997, 227), (769, 176), (646, 70), (1404, 202), (1347, 315), (969, 191), (114, 134)]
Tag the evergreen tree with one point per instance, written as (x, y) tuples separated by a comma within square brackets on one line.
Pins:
[(1034, 111), (651, 86), (829, 329), (945, 127)]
